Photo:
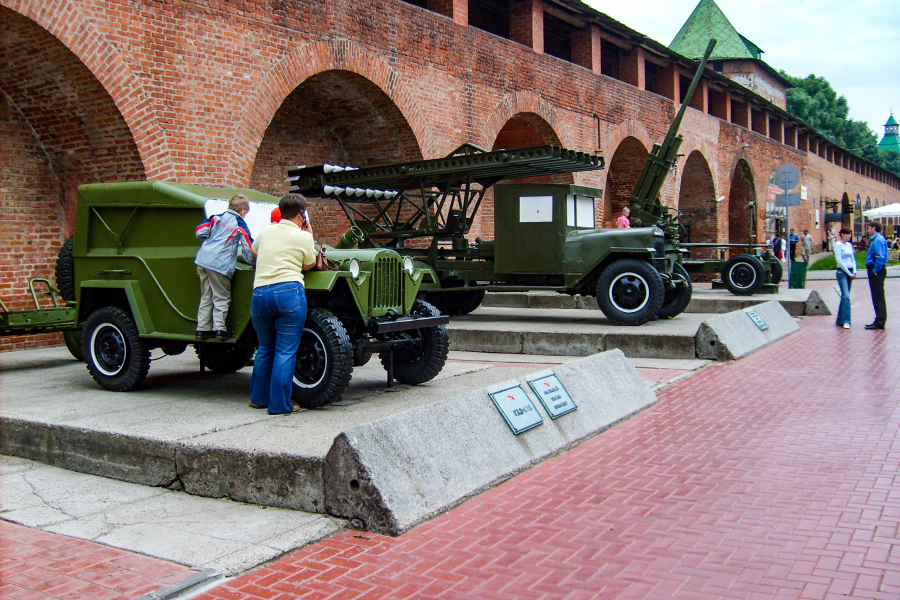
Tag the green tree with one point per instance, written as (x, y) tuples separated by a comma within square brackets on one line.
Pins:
[(813, 100)]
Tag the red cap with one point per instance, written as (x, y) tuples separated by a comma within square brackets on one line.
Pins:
[(276, 214)]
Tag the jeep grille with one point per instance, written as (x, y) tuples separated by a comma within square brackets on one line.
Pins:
[(388, 282)]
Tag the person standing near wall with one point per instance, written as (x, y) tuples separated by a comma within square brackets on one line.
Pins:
[(805, 246), (876, 268), (623, 222), (846, 273)]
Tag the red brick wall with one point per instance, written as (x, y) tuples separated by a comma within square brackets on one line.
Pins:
[(697, 203), (229, 93)]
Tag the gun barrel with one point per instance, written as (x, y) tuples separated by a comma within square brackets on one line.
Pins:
[(351, 238)]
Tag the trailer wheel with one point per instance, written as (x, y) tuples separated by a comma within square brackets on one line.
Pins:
[(777, 271), (426, 355), (222, 358), (743, 275), (677, 299), (630, 291), (324, 361), (116, 356), (72, 338), (65, 272), (455, 304)]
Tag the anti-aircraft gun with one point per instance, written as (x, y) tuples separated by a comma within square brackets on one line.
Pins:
[(544, 234), (743, 274)]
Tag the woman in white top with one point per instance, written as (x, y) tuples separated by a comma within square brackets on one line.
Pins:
[(846, 273)]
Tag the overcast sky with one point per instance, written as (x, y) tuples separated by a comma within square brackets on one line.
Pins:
[(855, 45)]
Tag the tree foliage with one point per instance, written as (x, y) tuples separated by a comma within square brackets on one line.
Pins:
[(813, 100)]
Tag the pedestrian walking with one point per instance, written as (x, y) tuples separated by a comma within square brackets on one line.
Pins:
[(846, 273), (876, 268), (794, 239), (806, 246), (831, 239), (283, 251)]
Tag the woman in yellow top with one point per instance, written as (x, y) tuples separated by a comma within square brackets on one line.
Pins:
[(278, 309)]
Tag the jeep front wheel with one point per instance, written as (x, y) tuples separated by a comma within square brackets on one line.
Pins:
[(426, 354), (324, 361), (630, 291), (116, 356)]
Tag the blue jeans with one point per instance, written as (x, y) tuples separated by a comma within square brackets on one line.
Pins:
[(278, 312), (844, 282)]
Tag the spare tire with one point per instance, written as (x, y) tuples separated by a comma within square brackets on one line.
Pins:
[(65, 271)]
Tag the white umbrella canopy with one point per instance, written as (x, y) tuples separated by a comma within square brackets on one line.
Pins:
[(891, 210)]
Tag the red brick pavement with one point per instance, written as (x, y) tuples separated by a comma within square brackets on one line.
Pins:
[(771, 477), (38, 565)]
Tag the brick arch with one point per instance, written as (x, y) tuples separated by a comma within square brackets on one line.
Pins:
[(622, 173), (697, 202), (77, 32), (741, 191), (531, 106), (302, 64)]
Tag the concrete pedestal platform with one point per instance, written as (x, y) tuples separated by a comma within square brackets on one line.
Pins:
[(798, 303), (387, 458)]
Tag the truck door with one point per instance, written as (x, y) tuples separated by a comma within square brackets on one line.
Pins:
[(529, 227)]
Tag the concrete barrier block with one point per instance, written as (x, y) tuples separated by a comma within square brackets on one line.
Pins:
[(505, 300), (734, 335), (561, 344), (826, 300), (486, 340), (396, 472), (551, 300), (652, 345)]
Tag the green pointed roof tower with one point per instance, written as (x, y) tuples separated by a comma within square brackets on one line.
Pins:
[(891, 139), (708, 21)]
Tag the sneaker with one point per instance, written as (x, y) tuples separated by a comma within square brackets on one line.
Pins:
[(205, 335), (846, 325)]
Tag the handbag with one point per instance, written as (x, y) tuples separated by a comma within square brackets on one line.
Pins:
[(323, 263)]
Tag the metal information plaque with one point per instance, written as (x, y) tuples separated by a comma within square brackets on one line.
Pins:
[(553, 395), (757, 320), (517, 409)]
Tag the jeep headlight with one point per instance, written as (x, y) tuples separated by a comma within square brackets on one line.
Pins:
[(354, 268), (658, 232), (408, 264)]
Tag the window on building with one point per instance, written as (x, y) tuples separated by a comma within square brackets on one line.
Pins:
[(490, 15), (557, 37), (651, 77), (610, 56)]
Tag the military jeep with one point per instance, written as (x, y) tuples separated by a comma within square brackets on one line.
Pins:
[(130, 271)]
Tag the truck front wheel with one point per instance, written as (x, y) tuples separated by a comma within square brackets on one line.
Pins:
[(324, 361), (630, 292), (677, 299), (424, 358), (116, 356)]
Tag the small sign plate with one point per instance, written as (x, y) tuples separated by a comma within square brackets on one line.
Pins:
[(553, 395), (757, 320), (517, 409)]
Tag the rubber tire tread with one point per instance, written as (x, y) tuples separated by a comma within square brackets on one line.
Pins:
[(676, 300), (65, 271), (757, 267), (225, 358), (653, 278), (138, 364), (413, 369), (455, 304), (340, 351), (72, 338), (777, 271)]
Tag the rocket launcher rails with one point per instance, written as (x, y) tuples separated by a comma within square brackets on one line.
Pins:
[(438, 197)]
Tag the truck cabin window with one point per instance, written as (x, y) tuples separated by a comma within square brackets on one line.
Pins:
[(579, 211), (535, 209)]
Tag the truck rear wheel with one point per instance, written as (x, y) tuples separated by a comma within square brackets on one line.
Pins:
[(676, 300), (630, 291), (424, 358), (223, 358), (116, 356), (455, 304), (743, 275), (324, 361)]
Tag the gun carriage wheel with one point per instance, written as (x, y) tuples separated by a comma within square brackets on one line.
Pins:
[(630, 292), (677, 299), (424, 358), (116, 356), (744, 274), (324, 361), (777, 271)]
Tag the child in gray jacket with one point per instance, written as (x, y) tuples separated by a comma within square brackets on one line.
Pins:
[(222, 236)]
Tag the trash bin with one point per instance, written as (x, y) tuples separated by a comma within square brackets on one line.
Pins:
[(797, 279)]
